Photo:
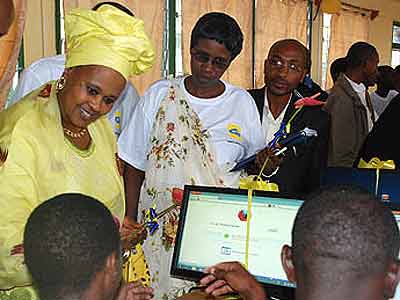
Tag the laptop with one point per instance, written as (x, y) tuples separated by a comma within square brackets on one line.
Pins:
[(388, 187), (361, 177), (212, 229)]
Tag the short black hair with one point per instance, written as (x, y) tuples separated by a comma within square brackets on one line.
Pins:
[(219, 27), (338, 66), (385, 69), (358, 54), (116, 5), (67, 240), (397, 69), (343, 227), (306, 53), (385, 76)]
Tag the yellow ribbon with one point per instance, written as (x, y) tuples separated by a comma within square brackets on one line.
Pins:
[(377, 164), (256, 183), (250, 184), (289, 123), (249, 215)]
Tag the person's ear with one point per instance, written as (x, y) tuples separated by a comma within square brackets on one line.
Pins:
[(392, 278), (112, 276), (67, 73), (303, 75), (287, 263), (112, 263)]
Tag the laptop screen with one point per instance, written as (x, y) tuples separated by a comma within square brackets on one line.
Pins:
[(212, 229)]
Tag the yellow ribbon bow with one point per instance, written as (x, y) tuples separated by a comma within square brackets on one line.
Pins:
[(377, 164), (256, 183)]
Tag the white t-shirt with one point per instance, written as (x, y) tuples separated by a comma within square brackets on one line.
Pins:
[(231, 120), (51, 68), (270, 124), (380, 103)]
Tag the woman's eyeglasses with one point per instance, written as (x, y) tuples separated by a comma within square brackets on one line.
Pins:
[(218, 62)]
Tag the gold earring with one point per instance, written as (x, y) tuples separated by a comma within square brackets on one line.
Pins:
[(60, 83)]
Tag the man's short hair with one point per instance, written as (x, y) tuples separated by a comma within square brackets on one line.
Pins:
[(67, 240), (343, 227), (306, 53), (385, 77), (358, 54), (219, 27), (338, 66), (385, 69)]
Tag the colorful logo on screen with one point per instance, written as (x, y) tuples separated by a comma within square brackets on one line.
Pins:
[(242, 215)]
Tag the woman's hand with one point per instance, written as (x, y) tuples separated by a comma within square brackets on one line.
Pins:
[(131, 233), (134, 291)]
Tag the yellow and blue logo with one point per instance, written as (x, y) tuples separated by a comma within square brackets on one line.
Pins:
[(117, 120), (235, 131)]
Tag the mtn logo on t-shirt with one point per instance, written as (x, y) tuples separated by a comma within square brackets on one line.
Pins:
[(234, 131)]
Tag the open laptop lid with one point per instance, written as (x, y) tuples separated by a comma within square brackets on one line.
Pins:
[(212, 229), (387, 190), (361, 177)]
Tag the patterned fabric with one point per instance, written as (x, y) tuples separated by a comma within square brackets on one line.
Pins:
[(41, 164), (21, 293), (136, 268), (180, 154)]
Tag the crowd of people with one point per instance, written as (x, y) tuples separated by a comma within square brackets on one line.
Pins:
[(79, 134)]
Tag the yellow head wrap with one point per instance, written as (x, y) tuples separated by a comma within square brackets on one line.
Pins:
[(108, 37)]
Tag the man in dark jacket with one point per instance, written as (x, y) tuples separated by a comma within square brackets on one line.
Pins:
[(284, 70), (381, 142)]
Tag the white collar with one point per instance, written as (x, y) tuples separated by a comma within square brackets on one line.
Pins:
[(357, 87), (266, 104)]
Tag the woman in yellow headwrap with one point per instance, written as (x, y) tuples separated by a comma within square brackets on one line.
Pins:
[(56, 140)]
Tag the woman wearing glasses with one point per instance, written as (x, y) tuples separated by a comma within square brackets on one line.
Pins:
[(189, 130)]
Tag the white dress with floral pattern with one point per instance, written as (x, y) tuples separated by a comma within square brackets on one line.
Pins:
[(180, 153)]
